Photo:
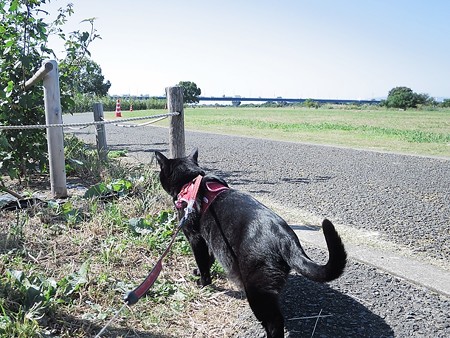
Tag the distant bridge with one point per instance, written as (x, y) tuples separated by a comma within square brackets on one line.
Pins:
[(282, 99), (259, 99)]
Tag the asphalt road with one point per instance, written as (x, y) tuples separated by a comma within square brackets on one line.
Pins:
[(399, 199)]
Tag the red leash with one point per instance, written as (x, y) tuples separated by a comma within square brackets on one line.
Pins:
[(133, 297)]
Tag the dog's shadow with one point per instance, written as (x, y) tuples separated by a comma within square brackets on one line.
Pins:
[(237, 179), (316, 310)]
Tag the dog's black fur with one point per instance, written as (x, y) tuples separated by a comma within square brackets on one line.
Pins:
[(254, 245)]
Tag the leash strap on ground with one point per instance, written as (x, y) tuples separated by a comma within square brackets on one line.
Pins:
[(110, 321), (133, 297)]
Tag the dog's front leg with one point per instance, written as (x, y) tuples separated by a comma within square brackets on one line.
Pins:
[(202, 257)]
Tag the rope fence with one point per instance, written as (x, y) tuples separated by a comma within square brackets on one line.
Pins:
[(141, 124), (158, 117), (54, 126)]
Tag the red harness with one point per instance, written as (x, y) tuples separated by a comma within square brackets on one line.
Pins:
[(190, 190)]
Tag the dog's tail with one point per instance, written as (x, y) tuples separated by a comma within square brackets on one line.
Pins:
[(321, 273)]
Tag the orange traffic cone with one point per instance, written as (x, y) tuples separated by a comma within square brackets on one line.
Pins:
[(131, 107), (118, 109)]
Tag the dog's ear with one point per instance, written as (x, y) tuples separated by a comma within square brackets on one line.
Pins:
[(162, 160), (194, 155)]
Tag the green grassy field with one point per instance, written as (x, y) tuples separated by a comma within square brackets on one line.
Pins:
[(422, 132)]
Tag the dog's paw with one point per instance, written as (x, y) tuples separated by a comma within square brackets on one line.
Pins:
[(204, 281)]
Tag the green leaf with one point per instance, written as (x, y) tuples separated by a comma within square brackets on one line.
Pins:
[(67, 208), (121, 186), (4, 142), (9, 88), (17, 275), (75, 281), (53, 204), (14, 5), (140, 226), (96, 190), (117, 153), (84, 36), (9, 43)]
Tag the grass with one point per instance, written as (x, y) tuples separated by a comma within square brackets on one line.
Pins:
[(421, 132), (65, 266)]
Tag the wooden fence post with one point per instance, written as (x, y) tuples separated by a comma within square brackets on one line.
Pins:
[(176, 129), (102, 147), (55, 136)]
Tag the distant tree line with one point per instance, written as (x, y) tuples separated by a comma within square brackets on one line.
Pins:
[(93, 89), (84, 103)]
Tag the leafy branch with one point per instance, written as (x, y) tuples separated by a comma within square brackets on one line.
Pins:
[(23, 47)]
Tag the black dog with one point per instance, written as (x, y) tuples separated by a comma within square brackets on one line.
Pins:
[(254, 245)]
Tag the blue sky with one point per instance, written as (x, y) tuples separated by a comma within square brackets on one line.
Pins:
[(346, 49)]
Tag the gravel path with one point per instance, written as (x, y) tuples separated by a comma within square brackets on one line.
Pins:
[(404, 198)]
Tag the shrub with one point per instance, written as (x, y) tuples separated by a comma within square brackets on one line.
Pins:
[(445, 103), (404, 98), (310, 103), (23, 46)]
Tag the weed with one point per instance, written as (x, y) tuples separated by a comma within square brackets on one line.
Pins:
[(13, 233), (27, 297), (114, 215), (162, 290), (112, 250), (81, 160), (218, 270), (82, 255), (112, 154), (74, 282), (116, 188)]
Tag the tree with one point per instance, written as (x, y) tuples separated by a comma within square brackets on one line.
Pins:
[(23, 47), (88, 79), (310, 103), (446, 103), (190, 91), (401, 97), (425, 99), (404, 97)]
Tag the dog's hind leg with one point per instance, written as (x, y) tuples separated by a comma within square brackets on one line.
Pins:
[(265, 306)]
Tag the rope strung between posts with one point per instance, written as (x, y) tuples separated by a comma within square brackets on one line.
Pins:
[(76, 128), (139, 125), (127, 125), (94, 123)]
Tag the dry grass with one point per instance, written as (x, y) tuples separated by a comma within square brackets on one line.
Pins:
[(42, 241)]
